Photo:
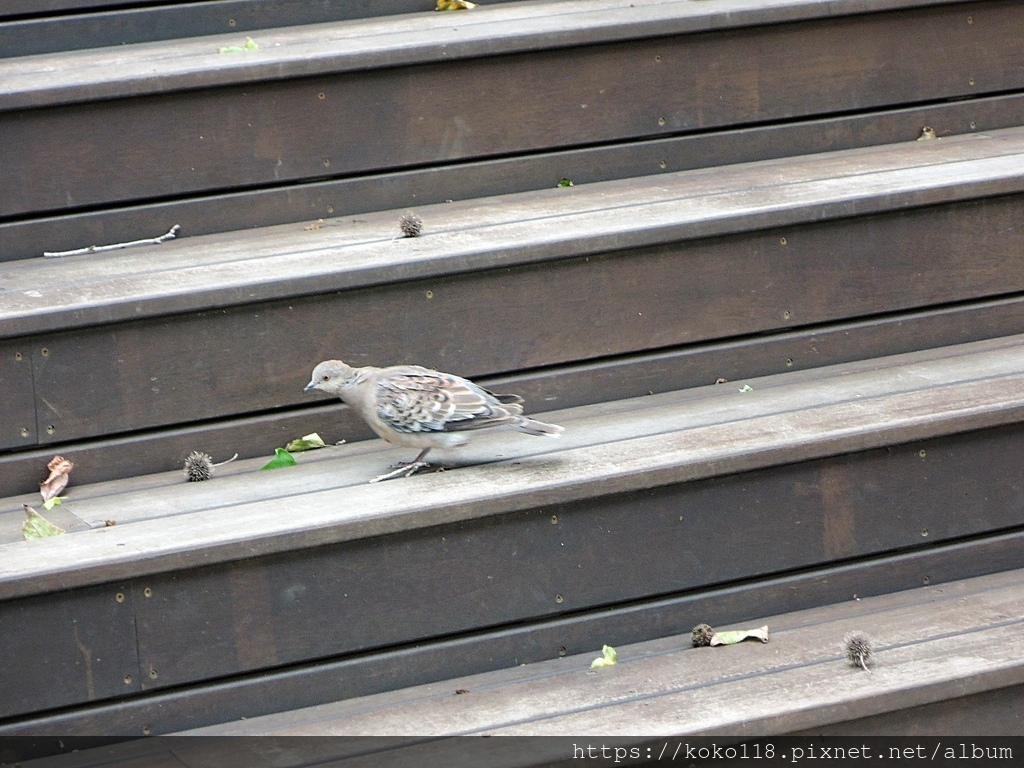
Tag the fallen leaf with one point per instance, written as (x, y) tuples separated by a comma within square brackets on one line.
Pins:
[(37, 526), (461, 690), (607, 658), (739, 635), (746, 388), (306, 443), (281, 459), (59, 468), (454, 5), (566, 183), (54, 502), (250, 45), (927, 134)]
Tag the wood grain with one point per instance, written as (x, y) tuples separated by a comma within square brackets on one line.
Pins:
[(405, 188), (534, 228), (74, 647), (952, 394), (243, 135), (828, 590), (648, 691)]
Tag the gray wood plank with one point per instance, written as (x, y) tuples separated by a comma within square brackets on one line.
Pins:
[(298, 686), (602, 424), (241, 136), (955, 397), (78, 647), (518, 230), (930, 644), (17, 407), (333, 198), (561, 387), (418, 38)]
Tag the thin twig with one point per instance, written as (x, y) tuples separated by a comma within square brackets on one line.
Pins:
[(171, 234)]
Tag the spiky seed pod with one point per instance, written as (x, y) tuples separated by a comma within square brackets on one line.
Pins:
[(701, 635), (198, 467), (858, 650), (410, 224)]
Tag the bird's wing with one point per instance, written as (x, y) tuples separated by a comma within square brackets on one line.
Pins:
[(413, 399)]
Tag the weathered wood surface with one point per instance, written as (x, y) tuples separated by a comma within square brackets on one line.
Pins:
[(400, 189), (297, 686), (610, 448), (427, 37), (931, 644), (530, 228), (92, 26), (77, 648), (151, 452), (243, 133)]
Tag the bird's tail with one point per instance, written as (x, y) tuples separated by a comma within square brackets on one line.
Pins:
[(534, 427)]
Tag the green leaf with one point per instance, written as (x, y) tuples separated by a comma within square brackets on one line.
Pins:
[(250, 45), (55, 501), (306, 443), (37, 526), (608, 657), (281, 459), (565, 183), (746, 388)]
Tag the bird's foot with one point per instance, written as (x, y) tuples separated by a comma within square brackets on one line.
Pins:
[(406, 469)]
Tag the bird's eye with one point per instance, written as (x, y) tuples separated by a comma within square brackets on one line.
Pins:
[(325, 377)]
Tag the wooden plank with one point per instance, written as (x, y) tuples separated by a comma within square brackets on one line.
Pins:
[(606, 422), (268, 692), (17, 406), (564, 387), (273, 611), (833, 426), (709, 290), (73, 647), (992, 713), (671, 213), (340, 47), (246, 135), (403, 189), (93, 27), (804, 645)]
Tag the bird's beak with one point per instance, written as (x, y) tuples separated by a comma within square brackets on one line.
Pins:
[(310, 387)]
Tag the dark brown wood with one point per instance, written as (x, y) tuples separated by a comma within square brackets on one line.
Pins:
[(74, 647), (273, 691), (563, 387), (993, 713), (17, 406), (91, 27), (612, 448), (744, 688), (206, 214), (240, 136), (326, 602), (209, 365), (498, 233)]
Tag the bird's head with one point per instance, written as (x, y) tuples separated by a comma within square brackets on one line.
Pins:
[(332, 376)]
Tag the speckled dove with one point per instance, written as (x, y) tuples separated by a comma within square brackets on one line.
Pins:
[(416, 407)]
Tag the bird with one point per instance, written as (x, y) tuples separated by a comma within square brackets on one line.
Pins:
[(416, 407)]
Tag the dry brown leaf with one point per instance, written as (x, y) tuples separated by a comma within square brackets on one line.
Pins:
[(59, 468)]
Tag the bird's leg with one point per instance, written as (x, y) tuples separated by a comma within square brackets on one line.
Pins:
[(418, 460), (405, 468)]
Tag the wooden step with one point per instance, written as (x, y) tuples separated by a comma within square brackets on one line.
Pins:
[(931, 644), (760, 268), (115, 139), (946, 659), (301, 572)]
